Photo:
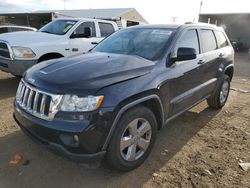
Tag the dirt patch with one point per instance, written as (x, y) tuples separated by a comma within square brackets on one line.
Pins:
[(211, 157)]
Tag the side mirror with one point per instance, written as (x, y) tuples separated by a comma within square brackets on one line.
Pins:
[(184, 54), (74, 36), (87, 33)]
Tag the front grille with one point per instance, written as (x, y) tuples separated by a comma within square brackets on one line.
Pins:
[(36, 102), (4, 50)]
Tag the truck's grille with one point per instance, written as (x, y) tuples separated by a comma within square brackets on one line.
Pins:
[(36, 102), (4, 50)]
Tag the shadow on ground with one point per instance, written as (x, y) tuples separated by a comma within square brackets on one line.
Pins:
[(49, 170), (8, 87)]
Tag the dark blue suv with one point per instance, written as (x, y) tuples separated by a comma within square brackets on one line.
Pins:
[(111, 101)]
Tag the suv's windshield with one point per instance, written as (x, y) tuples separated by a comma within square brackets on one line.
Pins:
[(58, 27), (146, 43)]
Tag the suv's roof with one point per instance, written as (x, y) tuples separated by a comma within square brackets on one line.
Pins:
[(157, 26), (201, 24), (175, 26)]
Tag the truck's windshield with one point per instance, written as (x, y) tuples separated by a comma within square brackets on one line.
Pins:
[(58, 27), (146, 43)]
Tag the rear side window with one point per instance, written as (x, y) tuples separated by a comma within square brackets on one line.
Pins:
[(189, 40), (208, 40), (221, 39), (106, 29)]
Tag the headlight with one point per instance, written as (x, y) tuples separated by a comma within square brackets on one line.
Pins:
[(23, 52), (73, 103)]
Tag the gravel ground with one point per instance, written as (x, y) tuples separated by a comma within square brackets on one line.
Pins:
[(201, 148)]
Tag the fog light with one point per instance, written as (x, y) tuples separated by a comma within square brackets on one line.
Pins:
[(76, 138), (70, 140)]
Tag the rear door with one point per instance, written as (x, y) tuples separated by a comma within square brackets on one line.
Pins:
[(106, 29), (224, 47), (185, 84), (211, 60)]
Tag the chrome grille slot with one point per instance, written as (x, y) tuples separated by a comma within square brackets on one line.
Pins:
[(30, 99), (42, 106), (36, 102)]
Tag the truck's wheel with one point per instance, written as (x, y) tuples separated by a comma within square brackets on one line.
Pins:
[(133, 139), (219, 98)]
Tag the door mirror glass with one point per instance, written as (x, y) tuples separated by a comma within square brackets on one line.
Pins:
[(86, 33), (75, 35), (184, 54)]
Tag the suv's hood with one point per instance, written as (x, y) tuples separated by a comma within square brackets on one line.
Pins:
[(86, 74), (24, 38)]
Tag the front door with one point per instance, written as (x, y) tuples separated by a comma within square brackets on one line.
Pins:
[(186, 79), (82, 44)]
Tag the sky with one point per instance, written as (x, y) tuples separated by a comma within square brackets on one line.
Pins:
[(154, 11)]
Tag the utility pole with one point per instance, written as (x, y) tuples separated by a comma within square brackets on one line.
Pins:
[(174, 19), (201, 3)]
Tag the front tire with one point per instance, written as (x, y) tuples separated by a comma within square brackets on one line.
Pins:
[(133, 139), (219, 98)]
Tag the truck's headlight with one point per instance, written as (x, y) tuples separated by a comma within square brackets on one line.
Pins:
[(73, 103), (23, 52)]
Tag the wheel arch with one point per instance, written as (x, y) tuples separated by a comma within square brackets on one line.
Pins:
[(229, 70), (51, 55), (153, 102)]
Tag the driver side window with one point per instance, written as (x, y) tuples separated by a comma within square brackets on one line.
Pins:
[(80, 28), (189, 40)]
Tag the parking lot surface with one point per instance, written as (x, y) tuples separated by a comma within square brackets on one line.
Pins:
[(201, 148)]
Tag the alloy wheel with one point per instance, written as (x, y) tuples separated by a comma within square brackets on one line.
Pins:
[(135, 139), (224, 91)]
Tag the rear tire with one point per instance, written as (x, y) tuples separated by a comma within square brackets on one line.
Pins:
[(219, 98), (133, 139)]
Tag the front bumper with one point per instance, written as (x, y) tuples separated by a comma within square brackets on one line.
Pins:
[(16, 67), (58, 136)]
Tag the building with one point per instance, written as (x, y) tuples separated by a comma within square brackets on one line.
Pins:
[(236, 25), (124, 17)]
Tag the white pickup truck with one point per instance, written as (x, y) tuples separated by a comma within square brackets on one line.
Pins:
[(59, 38)]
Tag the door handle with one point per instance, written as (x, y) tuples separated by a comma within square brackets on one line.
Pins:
[(221, 55), (201, 62), (94, 43)]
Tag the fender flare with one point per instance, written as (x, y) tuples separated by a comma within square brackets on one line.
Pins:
[(50, 53), (127, 107), (229, 66)]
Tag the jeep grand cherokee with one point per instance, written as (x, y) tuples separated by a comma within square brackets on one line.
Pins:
[(111, 101)]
